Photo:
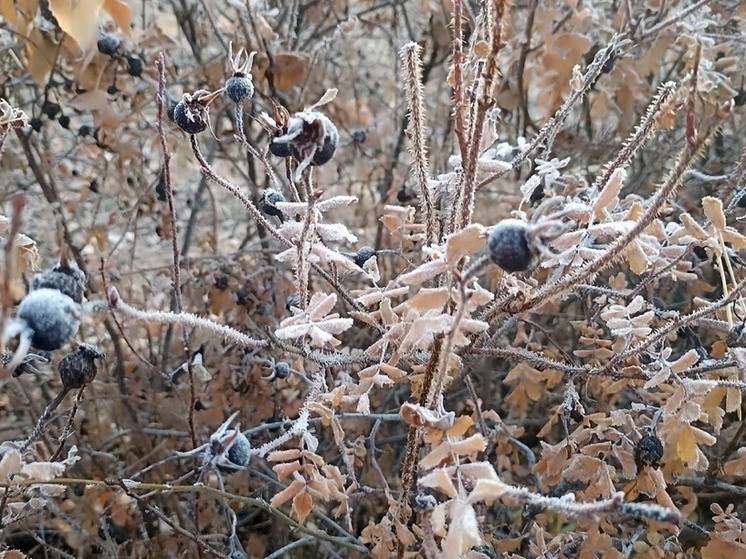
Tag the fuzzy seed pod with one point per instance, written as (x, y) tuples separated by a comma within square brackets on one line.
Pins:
[(363, 255), (508, 245), (268, 205), (64, 277), (648, 452), (78, 369), (238, 454)]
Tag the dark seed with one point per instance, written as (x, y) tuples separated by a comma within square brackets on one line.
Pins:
[(648, 452)]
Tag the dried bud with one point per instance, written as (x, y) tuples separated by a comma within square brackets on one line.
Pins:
[(648, 452), (78, 369)]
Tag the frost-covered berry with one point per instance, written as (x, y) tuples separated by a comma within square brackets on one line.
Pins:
[(281, 370), (65, 277), (279, 148), (648, 452), (363, 255), (240, 86), (238, 454), (47, 318), (191, 114), (268, 205), (309, 137), (78, 369), (135, 66), (108, 44), (508, 245)]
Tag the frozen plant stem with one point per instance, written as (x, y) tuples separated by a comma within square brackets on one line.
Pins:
[(184, 319), (410, 55), (176, 266), (494, 14)]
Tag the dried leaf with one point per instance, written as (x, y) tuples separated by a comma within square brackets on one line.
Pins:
[(714, 211), (302, 505), (78, 18)]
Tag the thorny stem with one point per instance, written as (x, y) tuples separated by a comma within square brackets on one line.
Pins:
[(550, 128), (9, 253), (675, 325), (485, 100), (410, 55), (176, 267), (305, 243), (185, 319), (41, 424), (458, 80), (615, 250)]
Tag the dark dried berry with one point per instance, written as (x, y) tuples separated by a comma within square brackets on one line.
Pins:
[(108, 44), (64, 121), (170, 106), (648, 452), (238, 454), (293, 302), (191, 114), (363, 255), (64, 277), (280, 148), (78, 369), (50, 109), (309, 137), (281, 370), (85, 130), (35, 123), (736, 336), (239, 87), (135, 66), (270, 199), (508, 245), (112, 89)]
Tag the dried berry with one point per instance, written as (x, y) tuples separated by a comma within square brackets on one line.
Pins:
[(112, 89), (648, 452), (85, 130), (191, 114), (35, 123), (239, 87), (64, 121), (268, 205), (293, 302), (736, 336), (281, 370), (309, 137), (237, 454), (279, 148), (108, 44), (65, 277), (363, 255), (135, 66), (508, 245), (78, 369), (50, 109)]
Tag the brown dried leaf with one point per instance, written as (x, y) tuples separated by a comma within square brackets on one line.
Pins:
[(78, 18), (714, 211), (302, 505)]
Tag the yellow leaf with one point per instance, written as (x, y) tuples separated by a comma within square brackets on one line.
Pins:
[(686, 446), (121, 13), (41, 55), (302, 505), (78, 18), (714, 211)]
